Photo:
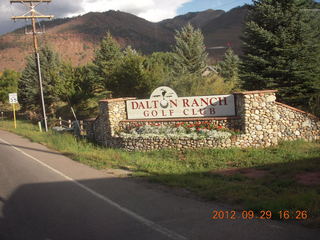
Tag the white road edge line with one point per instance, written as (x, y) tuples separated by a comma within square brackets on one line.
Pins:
[(147, 222)]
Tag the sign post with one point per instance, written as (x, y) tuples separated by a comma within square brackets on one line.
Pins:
[(13, 99), (14, 116)]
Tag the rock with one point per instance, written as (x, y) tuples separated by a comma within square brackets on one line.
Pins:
[(259, 127), (271, 98), (306, 123), (276, 116), (291, 115), (255, 104), (270, 131)]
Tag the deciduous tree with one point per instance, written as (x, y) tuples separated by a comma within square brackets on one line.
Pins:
[(133, 77), (8, 84)]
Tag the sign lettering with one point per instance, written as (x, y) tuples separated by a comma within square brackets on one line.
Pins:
[(164, 103)]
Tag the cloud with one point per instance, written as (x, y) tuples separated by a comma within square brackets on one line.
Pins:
[(58, 8), (152, 10), (6, 12), (62, 8)]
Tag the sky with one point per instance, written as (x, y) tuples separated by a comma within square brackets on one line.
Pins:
[(152, 10)]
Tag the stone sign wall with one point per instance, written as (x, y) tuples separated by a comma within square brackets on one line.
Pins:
[(261, 121)]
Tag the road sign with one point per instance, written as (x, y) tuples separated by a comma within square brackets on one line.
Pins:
[(13, 98)]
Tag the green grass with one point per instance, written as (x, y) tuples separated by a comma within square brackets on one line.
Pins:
[(197, 170)]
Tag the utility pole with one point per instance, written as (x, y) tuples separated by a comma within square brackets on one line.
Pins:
[(33, 15)]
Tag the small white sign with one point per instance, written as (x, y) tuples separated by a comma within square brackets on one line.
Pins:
[(13, 98)]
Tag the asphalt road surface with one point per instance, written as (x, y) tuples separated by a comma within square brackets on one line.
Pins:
[(46, 196)]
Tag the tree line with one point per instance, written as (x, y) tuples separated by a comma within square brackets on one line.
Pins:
[(281, 50)]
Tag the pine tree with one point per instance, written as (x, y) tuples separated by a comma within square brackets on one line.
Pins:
[(106, 58), (190, 61), (281, 50), (229, 68), (190, 51), (29, 93)]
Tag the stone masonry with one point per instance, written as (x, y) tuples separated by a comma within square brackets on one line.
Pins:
[(294, 123), (261, 120)]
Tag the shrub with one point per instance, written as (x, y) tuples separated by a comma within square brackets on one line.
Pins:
[(191, 131)]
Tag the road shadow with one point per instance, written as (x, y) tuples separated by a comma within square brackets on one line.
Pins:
[(33, 149), (66, 210), (102, 209)]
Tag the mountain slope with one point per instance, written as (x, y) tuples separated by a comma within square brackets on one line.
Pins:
[(75, 39), (226, 29), (126, 28), (197, 19)]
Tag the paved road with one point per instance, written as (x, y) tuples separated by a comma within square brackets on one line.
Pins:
[(46, 196)]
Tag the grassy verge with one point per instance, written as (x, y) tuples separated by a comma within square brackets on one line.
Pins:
[(203, 171)]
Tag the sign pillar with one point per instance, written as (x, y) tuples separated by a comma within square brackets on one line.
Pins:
[(14, 116)]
